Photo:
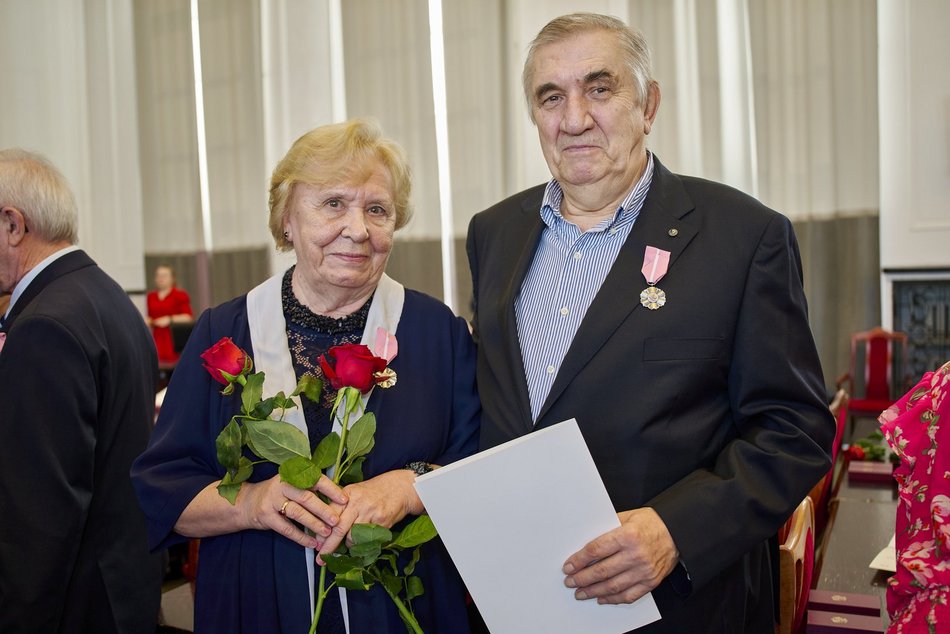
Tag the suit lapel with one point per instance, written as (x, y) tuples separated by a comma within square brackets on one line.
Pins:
[(58, 267), (664, 212), (528, 223)]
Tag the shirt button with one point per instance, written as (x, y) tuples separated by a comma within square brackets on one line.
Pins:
[(564, 311), (550, 369), (577, 255), (612, 231)]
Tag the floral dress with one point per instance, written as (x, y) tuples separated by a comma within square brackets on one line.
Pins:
[(918, 593)]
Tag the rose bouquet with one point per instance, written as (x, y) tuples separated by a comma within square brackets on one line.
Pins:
[(353, 370)]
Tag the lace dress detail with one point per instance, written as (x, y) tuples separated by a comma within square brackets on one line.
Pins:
[(310, 335)]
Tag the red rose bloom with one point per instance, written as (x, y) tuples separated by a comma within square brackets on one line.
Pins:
[(856, 452), (351, 365), (225, 356)]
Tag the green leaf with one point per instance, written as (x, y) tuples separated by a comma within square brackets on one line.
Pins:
[(367, 533), (341, 564), (230, 484), (418, 531), (251, 393), (353, 580), (263, 409), (389, 557), (277, 441), (310, 386), (325, 453), (414, 588), (299, 472), (411, 566), (368, 553), (228, 445), (391, 582), (229, 491), (244, 471), (283, 402), (359, 441), (353, 472)]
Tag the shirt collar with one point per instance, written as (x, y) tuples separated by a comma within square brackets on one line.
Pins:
[(628, 208), (32, 273)]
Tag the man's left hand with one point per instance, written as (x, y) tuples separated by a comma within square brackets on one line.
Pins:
[(624, 564)]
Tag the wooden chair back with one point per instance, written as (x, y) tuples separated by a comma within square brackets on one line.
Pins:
[(796, 565)]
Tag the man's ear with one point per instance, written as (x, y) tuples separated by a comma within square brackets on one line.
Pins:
[(13, 225), (651, 106)]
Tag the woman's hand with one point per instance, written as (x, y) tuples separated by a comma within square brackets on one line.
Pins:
[(383, 500), (268, 505), (276, 505)]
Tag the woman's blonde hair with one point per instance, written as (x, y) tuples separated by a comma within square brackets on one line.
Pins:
[(331, 154)]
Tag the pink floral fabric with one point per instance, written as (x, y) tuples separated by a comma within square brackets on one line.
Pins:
[(918, 593)]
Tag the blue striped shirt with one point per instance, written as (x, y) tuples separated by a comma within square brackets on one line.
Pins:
[(568, 270)]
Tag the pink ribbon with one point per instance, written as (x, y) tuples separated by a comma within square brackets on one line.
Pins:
[(655, 263), (385, 346)]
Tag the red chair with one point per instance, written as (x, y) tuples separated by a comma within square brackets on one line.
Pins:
[(824, 494), (796, 566), (827, 488), (876, 377)]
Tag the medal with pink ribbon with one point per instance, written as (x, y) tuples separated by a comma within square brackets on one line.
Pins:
[(655, 264)]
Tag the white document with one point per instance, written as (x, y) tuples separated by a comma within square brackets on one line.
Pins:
[(886, 559), (511, 516)]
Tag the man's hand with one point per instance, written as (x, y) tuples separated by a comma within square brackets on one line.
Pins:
[(624, 564)]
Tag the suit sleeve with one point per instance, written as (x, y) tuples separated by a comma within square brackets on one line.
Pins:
[(784, 429), (472, 249), (50, 407)]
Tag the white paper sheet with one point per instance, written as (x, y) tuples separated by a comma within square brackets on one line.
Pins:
[(886, 559), (510, 516)]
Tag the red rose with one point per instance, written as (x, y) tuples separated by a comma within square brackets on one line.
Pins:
[(856, 452), (225, 356), (351, 365)]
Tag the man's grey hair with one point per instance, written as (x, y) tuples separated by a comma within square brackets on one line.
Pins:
[(636, 52), (33, 185)]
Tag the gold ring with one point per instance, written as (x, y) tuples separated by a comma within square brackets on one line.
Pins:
[(283, 507)]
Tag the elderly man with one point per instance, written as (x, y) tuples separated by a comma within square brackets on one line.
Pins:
[(77, 384), (666, 314)]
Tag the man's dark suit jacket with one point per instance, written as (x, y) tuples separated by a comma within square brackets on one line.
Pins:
[(710, 410), (77, 397)]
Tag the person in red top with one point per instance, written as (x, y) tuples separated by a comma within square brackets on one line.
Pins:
[(916, 429), (167, 304)]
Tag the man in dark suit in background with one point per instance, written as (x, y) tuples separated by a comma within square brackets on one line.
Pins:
[(666, 314), (77, 386)]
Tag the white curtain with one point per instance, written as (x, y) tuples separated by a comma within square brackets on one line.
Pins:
[(775, 97)]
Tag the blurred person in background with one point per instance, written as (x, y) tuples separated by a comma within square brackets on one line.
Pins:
[(167, 304)]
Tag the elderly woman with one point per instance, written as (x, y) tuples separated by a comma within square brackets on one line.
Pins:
[(336, 199)]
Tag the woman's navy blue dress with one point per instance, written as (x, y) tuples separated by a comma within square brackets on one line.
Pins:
[(432, 415)]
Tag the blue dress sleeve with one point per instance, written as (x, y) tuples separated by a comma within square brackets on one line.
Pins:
[(180, 459)]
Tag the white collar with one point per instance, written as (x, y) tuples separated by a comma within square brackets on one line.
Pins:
[(32, 273)]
